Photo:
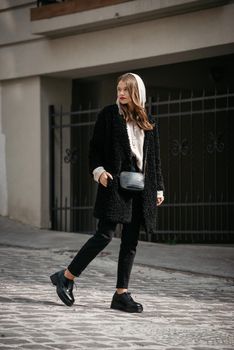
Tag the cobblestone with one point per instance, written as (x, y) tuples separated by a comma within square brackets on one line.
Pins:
[(181, 310)]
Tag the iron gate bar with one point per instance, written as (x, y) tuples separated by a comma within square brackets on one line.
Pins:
[(61, 162), (215, 157), (75, 207), (165, 115), (156, 103), (80, 112), (180, 165), (191, 168), (193, 99), (73, 125), (161, 103), (51, 166), (196, 204), (162, 115), (193, 231), (203, 158)]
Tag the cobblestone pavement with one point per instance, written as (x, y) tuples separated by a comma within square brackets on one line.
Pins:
[(181, 310)]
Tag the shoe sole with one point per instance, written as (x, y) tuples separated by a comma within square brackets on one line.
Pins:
[(115, 307), (54, 280)]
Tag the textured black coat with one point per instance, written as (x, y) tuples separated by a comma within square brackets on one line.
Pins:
[(110, 148)]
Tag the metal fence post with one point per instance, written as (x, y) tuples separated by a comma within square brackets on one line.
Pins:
[(51, 166)]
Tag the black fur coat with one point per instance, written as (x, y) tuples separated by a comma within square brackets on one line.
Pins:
[(110, 148)]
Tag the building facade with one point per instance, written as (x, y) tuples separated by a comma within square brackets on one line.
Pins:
[(58, 67)]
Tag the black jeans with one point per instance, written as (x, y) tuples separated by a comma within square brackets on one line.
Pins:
[(103, 236)]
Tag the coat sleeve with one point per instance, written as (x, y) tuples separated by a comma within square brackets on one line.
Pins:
[(97, 144), (160, 182)]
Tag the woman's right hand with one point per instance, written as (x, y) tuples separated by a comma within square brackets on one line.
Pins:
[(104, 178)]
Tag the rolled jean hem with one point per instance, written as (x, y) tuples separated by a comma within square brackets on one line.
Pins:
[(121, 287), (74, 274)]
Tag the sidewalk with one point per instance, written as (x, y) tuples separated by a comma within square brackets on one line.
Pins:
[(216, 260), (186, 291)]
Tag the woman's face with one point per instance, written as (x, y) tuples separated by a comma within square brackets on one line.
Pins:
[(123, 93)]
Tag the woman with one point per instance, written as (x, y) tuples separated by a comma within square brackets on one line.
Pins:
[(124, 139)]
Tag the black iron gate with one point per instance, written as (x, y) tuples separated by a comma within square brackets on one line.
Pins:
[(197, 148)]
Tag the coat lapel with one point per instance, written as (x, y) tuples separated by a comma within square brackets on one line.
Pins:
[(121, 134), (146, 145)]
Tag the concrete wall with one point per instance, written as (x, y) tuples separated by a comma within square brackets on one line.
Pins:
[(160, 41), (22, 127), (25, 124), (15, 21), (3, 177)]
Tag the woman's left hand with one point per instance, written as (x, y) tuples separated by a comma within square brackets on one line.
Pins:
[(160, 200)]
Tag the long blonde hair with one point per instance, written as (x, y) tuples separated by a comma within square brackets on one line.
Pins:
[(138, 113)]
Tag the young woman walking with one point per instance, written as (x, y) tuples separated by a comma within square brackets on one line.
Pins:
[(124, 139)]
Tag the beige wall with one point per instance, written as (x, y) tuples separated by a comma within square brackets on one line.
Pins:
[(160, 41), (3, 176), (25, 105), (15, 21), (21, 126)]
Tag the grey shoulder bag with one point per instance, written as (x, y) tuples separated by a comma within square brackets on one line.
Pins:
[(133, 181)]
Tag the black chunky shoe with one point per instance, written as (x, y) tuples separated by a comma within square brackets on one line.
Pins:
[(125, 302), (64, 287)]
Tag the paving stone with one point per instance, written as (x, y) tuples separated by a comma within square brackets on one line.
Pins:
[(181, 311), (14, 341)]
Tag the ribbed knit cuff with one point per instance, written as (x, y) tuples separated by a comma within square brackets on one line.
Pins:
[(97, 173), (159, 194)]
